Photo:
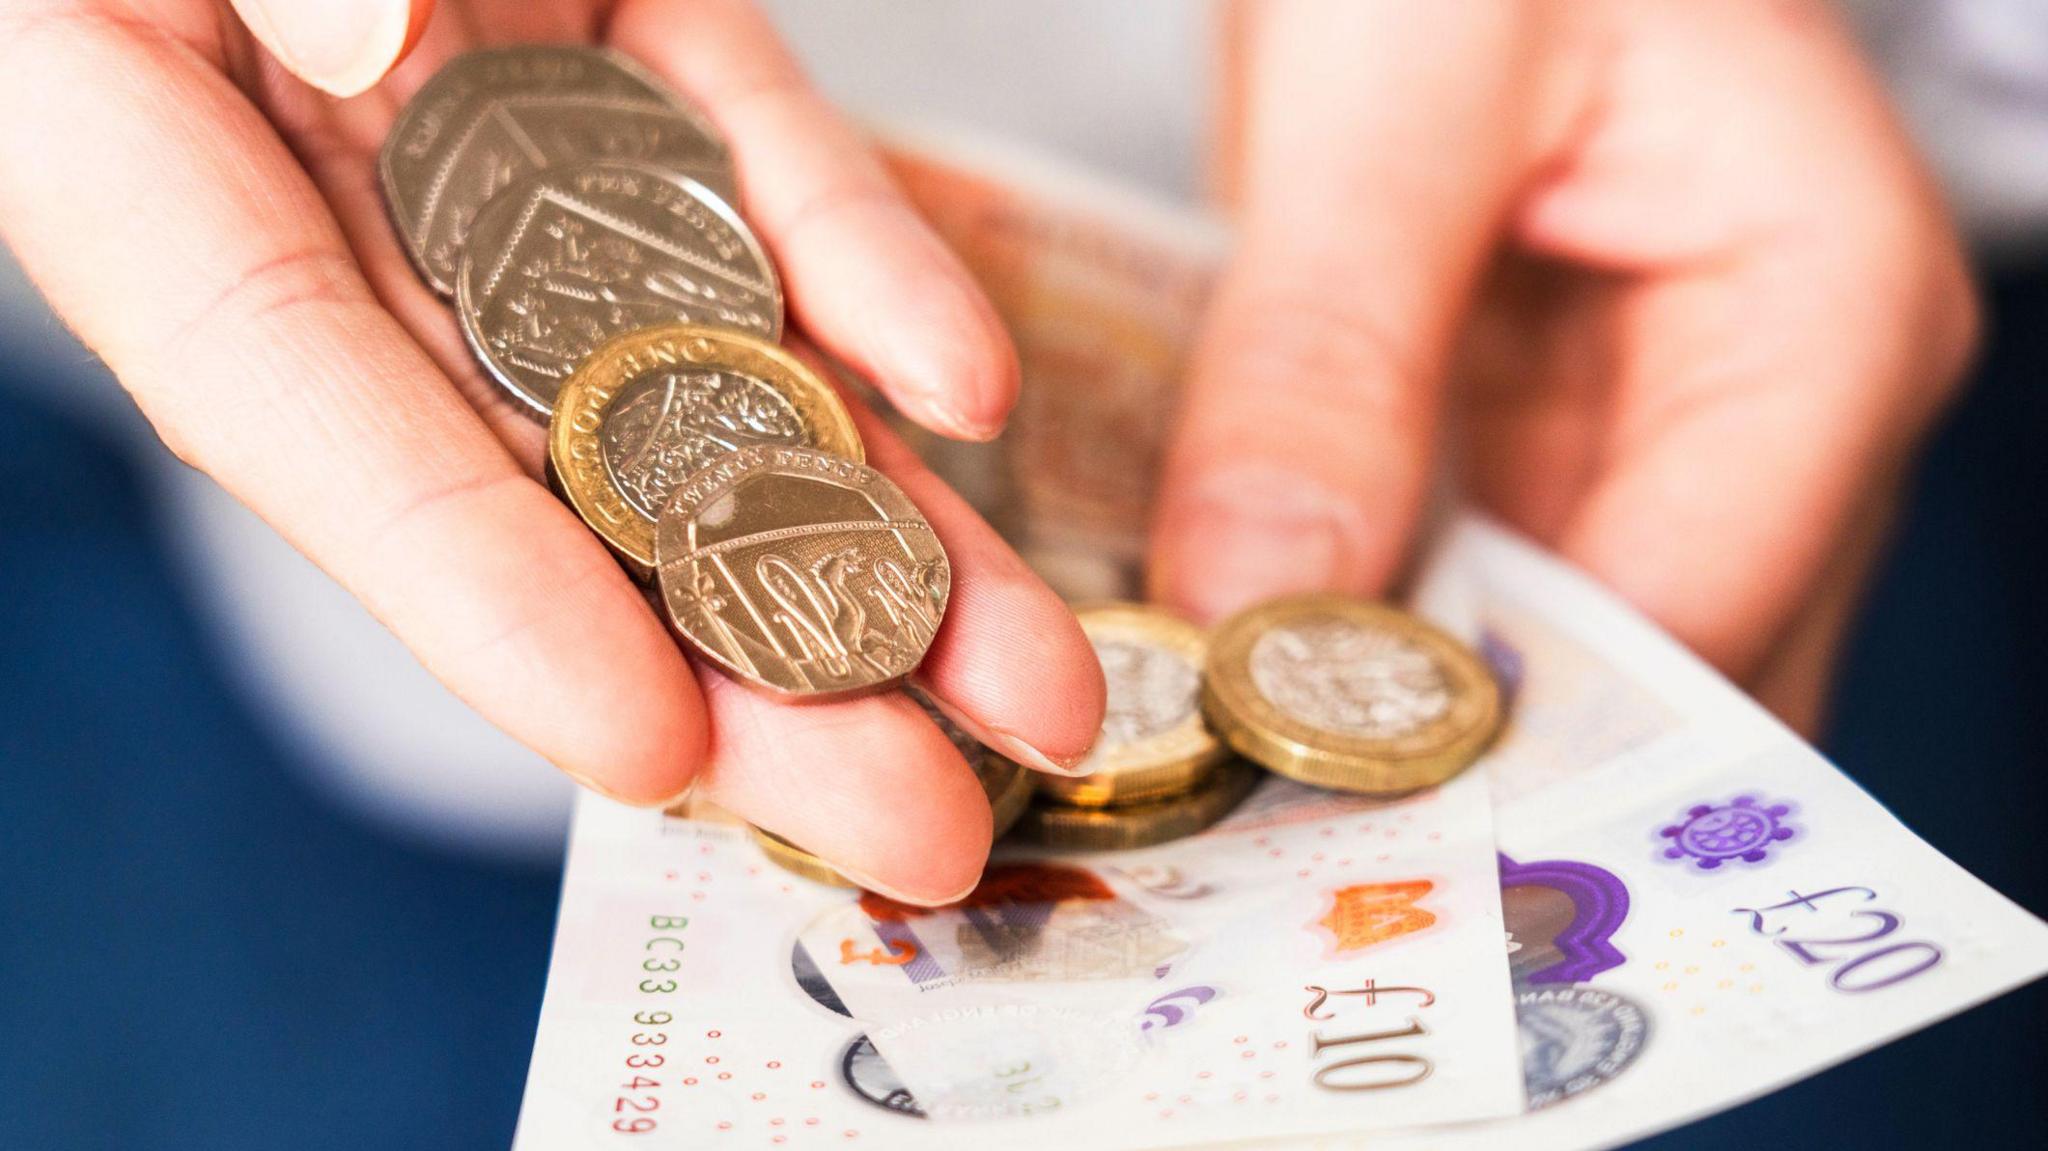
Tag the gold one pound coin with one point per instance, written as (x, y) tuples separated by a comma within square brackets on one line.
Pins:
[(656, 405), (1349, 695), (1153, 742)]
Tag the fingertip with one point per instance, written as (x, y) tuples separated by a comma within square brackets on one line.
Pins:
[(341, 49), (944, 870), (869, 785), (916, 900), (652, 756), (949, 363), (1062, 739), (925, 843), (1247, 531), (1012, 662)]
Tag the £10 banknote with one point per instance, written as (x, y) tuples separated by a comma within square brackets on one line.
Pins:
[(1250, 981)]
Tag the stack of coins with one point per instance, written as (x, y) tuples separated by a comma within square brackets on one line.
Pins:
[(1156, 773), (580, 217)]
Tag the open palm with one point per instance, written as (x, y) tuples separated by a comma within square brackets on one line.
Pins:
[(211, 225)]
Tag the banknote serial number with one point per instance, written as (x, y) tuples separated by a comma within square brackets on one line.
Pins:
[(1367, 1060), (1849, 939), (640, 1087)]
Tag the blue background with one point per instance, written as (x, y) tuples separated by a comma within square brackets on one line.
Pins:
[(196, 951)]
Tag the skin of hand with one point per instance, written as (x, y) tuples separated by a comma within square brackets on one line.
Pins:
[(193, 187), (1660, 283)]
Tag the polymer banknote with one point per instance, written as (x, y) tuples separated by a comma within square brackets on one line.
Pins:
[(1255, 980)]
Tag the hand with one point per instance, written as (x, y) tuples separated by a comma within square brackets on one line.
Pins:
[(210, 224), (1660, 283)]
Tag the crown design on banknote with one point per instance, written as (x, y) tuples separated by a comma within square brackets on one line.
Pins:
[(1743, 828), (1369, 913)]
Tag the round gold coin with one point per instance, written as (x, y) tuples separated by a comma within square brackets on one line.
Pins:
[(1348, 695), (1139, 824), (789, 857), (656, 405), (1153, 742), (801, 572)]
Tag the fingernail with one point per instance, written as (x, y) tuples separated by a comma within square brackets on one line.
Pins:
[(1251, 533), (662, 803), (944, 384), (341, 48), (1011, 747), (937, 407), (1008, 744), (958, 426), (883, 889)]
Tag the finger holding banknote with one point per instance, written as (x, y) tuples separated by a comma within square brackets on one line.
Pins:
[(1303, 451), (1663, 286), (211, 226)]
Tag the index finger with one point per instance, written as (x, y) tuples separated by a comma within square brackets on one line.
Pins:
[(1383, 143), (864, 274)]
